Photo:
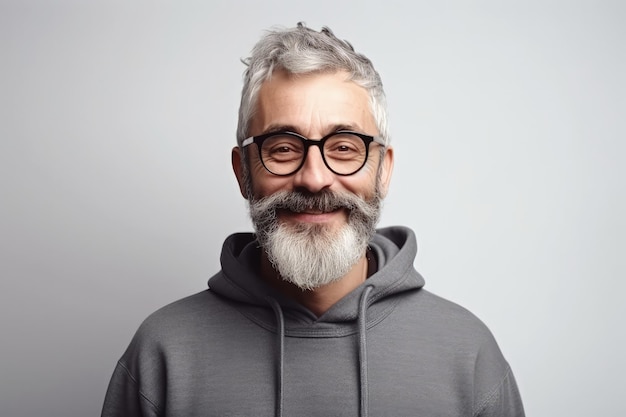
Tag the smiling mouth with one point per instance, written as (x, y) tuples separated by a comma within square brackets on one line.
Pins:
[(308, 215)]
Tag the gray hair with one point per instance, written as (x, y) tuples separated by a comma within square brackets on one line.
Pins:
[(301, 50)]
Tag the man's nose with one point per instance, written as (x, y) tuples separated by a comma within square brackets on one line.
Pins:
[(314, 175)]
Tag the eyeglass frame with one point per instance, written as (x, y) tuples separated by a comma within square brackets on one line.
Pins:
[(307, 143)]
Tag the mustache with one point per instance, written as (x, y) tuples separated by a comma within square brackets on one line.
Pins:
[(299, 201)]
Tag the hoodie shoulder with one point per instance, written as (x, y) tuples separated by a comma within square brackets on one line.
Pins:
[(183, 314)]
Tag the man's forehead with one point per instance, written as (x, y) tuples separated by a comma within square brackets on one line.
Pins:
[(329, 100)]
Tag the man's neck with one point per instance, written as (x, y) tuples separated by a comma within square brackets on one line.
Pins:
[(320, 299)]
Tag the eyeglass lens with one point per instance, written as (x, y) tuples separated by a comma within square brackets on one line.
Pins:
[(343, 153)]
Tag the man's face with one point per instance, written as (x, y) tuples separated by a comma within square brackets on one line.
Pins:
[(315, 105), (314, 217)]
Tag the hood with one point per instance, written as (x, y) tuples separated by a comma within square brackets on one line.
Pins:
[(239, 281)]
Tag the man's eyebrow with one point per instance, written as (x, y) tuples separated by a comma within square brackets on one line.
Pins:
[(339, 127), (279, 128), (290, 128)]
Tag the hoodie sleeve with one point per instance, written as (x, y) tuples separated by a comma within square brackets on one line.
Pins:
[(138, 383), (495, 389), (124, 398)]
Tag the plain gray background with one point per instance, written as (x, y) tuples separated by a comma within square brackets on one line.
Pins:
[(116, 124)]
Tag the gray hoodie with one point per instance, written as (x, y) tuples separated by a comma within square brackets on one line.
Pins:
[(389, 348)]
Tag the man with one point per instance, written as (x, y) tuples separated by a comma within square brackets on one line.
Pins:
[(317, 313)]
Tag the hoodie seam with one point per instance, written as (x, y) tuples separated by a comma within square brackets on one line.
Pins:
[(492, 395), (136, 384), (314, 333), (252, 316), (251, 298)]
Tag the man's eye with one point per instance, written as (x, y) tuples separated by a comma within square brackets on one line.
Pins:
[(282, 152), (282, 149), (344, 148)]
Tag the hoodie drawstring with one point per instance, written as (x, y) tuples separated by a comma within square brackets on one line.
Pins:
[(280, 341), (363, 351), (280, 359)]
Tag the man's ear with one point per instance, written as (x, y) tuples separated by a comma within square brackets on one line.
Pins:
[(237, 161), (386, 170)]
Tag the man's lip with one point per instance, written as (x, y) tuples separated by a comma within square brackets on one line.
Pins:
[(316, 211), (308, 215)]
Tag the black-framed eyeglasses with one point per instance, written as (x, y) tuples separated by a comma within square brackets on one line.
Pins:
[(283, 153)]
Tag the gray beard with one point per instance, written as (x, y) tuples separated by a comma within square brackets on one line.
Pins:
[(313, 255)]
